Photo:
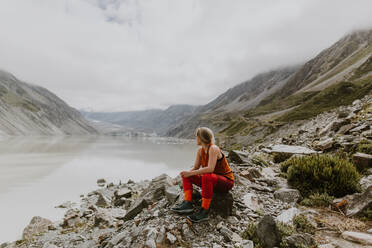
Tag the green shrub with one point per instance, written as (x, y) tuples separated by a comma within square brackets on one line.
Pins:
[(281, 157), (302, 224), (322, 174), (365, 148), (250, 233), (285, 230), (318, 200)]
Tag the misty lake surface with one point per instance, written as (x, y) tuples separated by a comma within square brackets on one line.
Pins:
[(39, 173)]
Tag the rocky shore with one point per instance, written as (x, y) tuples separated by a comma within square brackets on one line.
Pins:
[(262, 209)]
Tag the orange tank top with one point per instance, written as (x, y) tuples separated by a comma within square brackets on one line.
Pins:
[(222, 166)]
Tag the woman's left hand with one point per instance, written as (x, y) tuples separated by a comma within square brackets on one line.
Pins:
[(185, 173)]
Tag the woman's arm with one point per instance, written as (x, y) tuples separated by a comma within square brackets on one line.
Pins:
[(197, 161), (212, 160)]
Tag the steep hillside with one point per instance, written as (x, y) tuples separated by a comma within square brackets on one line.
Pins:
[(247, 113), (154, 120), (27, 109)]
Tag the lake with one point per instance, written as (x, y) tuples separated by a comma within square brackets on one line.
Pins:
[(39, 173)]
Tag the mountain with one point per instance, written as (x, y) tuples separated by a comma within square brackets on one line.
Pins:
[(153, 120), (253, 109), (27, 109)]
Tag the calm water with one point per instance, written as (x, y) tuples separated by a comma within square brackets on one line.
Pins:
[(37, 174)]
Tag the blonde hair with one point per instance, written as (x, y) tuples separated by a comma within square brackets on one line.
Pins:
[(205, 135)]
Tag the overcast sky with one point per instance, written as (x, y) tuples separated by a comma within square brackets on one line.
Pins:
[(112, 55)]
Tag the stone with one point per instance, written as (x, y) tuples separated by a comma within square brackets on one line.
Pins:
[(172, 193), (157, 188), (161, 235), (360, 128), (123, 192), (247, 243), (136, 209), (287, 215), (325, 144), (251, 201), (359, 202), (300, 240), (222, 203), (37, 225), (365, 182), (345, 129), (358, 237), (171, 238), (101, 182), (230, 235), (102, 201), (103, 218), (288, 195), (67, 204), (267, 232), (251, 173), (362, 161), (117, 238), (289, 149), (71, 218), (238, 157), (369, 231)]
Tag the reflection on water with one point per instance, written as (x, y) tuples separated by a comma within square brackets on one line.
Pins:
[(39, 173)]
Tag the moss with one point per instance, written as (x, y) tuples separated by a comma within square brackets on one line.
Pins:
[(302, 224), (285, 230), (318, 200), (260, 161), (323, 174), (367, 215), (365, 148)]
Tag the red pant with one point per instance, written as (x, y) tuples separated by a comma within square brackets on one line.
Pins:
[(208, 182)]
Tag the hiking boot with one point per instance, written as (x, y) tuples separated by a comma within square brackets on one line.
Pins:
[(202, 215), (184, 207)]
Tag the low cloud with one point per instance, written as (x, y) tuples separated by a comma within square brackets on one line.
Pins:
[(111, 55)]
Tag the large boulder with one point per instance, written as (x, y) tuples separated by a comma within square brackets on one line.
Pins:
[(359, 202), (267, 232), (222, 203), (157, 188), (37, 225), (324, 145)]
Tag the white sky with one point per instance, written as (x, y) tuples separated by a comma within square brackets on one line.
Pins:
[(111, 55)]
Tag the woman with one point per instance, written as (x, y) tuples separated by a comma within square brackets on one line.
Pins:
[(215, 174)]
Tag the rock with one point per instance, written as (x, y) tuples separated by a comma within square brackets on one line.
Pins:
[(287, 215), (247, 243), (345, 129), (117, 238), (161, 235), (71, 218), (101, 182), (230, 235), (360, 128), (267, 232), (37, 225), (325, 144), (327, 246), (67, 204), (171, 238), (103, 218), (238, 157), (151, 236), (102, 201), (359, 202), (123, 192), (172, 193), (251, 173), (300, 240), (289, 149), (136, 209), (251, 201), (288, 195), (156, 190), (365, 182), (362, 238), (369, 231), (222, 203), (333, 126), (362, 161)]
